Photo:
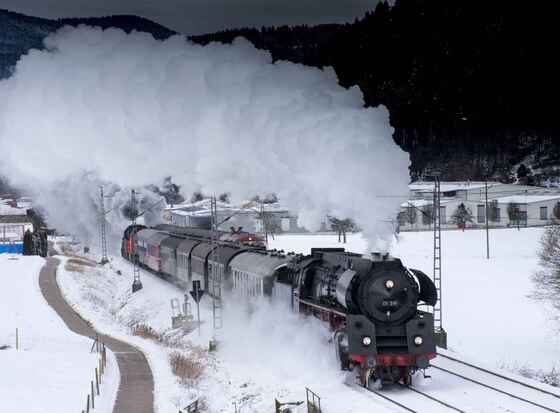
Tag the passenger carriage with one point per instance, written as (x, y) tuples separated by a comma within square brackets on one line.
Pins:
[(184, 267), (168, 255), (199, 263), (255, 274)]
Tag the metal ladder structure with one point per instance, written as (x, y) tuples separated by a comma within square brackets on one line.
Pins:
[(441, 335), (136, 282), (215, 273), (103, 228)]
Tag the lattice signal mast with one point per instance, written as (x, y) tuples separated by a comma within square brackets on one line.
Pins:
[(136, 282), (441, 335), (216, 272), (103, 227)]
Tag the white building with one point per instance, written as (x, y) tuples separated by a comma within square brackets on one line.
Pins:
[(12, 229), (508, 204)]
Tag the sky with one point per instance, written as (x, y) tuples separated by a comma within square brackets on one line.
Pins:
[(203, 16)]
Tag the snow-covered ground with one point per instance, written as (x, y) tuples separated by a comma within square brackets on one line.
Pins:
[(266, 352), (51, 371)]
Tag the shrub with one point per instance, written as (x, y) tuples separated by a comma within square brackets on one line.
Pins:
[(145, 331), (187, 369)]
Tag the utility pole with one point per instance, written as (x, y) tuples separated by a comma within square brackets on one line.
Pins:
[(486, 214), (215, 273), (264, 220), (441, 335), (103, 229), (136, 282)]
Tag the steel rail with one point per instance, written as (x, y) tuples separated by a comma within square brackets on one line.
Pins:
[(499, 375), (497, 390), (402, 406), (436, 400)]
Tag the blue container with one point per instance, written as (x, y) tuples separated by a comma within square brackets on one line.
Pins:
[(11, 248)]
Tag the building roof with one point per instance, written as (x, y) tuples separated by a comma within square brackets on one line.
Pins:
[(419, 203), (528, 199), (15, 219), (422, 186)]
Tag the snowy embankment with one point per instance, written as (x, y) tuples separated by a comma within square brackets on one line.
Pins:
[(52, 370), (266, 352)]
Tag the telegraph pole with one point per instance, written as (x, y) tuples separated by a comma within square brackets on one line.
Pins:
[(103, 229), (486, 214), (136, 282)]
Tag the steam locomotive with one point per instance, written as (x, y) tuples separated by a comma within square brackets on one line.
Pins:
[(370, 303)]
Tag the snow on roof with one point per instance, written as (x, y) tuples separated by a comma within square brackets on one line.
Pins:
[(528, 199), (8, 210), (418, 203), (448, 186)]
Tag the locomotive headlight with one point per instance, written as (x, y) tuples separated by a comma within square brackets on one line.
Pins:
[(389, 284), (366, 341), (418, 340)]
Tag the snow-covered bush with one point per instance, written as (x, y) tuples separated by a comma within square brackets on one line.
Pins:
[(547, 279), (187, 369)]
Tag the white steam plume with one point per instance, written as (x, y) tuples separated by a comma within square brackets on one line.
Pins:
[(130, 110)]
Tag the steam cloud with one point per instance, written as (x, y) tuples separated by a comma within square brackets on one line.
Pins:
[(103, 106)]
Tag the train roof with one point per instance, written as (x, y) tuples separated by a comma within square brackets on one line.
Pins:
[(171, 242), (225, 253), (261, 265), (186, 246), (146, 234), (202, 250)]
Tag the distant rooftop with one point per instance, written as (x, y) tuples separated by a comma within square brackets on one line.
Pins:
[(15, 219), (527, 199), (422, 186)]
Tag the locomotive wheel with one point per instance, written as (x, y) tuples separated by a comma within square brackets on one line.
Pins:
[(407, 379)]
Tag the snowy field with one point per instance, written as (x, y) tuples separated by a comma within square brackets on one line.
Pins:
[(266, 352), (51, 371)]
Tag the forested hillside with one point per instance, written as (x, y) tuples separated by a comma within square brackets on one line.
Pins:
[(470, 86)]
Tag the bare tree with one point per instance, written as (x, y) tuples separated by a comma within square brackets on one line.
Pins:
[(556, 211), (461, 216), (428, 214), (342, 226), (514, 213), (493, 211), (547, 279)]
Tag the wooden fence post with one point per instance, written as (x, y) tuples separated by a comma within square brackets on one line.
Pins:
[(92, 396), (87, 404)]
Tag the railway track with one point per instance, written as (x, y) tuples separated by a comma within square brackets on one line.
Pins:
[(510, 381), (549, 401), (447, 405)]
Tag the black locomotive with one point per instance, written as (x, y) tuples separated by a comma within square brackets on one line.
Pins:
[(370, 303)]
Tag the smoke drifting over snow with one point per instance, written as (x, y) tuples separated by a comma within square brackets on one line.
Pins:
[(104, 106)]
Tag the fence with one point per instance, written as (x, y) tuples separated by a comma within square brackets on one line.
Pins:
[(93, 388)]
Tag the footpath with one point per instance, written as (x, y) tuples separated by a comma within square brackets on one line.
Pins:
[(136, 388)]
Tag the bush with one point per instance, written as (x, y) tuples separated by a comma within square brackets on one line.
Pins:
[(187, 369), (547, 280), (145, 331)]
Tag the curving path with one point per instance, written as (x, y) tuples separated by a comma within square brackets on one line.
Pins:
[(136, 388)]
